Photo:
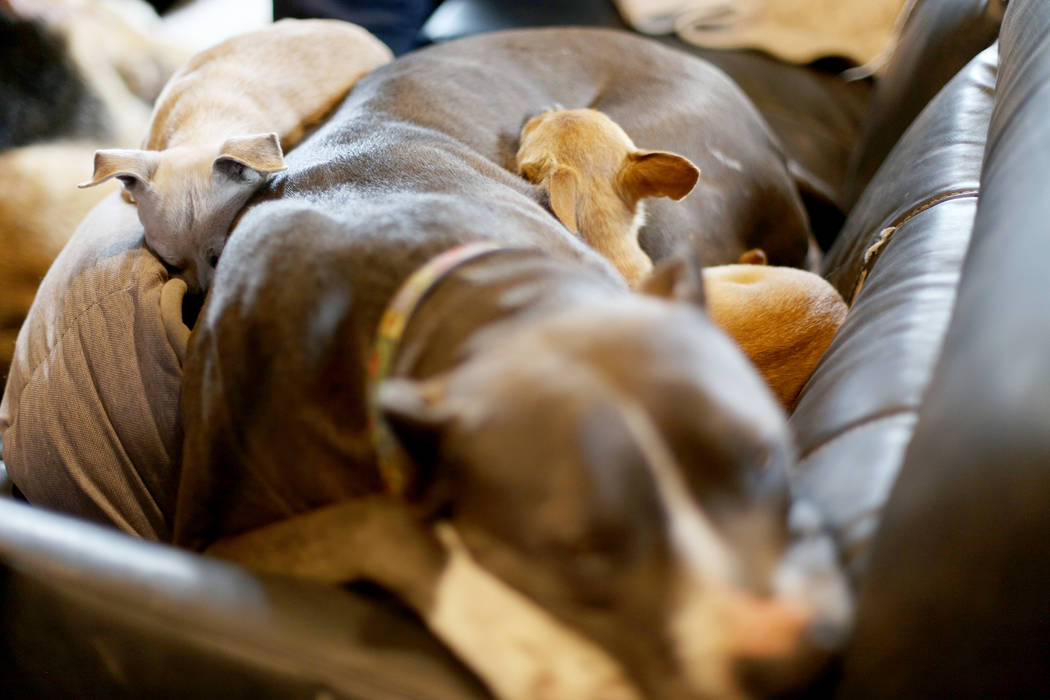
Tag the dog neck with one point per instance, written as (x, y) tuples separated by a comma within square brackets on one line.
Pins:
[(518, 284), (611, 227), (485, 297)]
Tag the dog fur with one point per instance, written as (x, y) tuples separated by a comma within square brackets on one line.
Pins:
[(611, 457), (783, 319), (69, 95), (596, 180), (221, 126)]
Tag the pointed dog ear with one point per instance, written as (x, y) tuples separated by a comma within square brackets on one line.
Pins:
[(657, 174), (677, 278), (250, 158), (561, 188), (131, 167), (755, 256)]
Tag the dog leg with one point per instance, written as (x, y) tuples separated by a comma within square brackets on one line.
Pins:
[(518, 649), (374, 538)]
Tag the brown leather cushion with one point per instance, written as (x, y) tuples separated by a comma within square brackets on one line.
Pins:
[(89, 612), (855, 417), (955, 603)]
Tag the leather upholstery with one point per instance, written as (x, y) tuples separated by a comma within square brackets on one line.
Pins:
[(956, 601), (89, 612), (864, 395), (940, 38)]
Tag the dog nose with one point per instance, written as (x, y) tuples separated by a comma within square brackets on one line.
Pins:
[(794, 674)]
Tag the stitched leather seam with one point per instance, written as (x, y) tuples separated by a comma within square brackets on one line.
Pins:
[(874, 252), (934, 201), (853, 425)]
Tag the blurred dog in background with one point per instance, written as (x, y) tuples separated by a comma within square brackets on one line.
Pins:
[(75, 76)]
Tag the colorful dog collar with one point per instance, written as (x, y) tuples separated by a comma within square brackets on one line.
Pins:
[(394, 463)]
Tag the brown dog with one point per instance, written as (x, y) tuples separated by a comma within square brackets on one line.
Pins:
[(596, 180), (609, 461)]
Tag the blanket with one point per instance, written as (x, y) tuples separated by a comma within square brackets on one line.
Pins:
[(799, 31)]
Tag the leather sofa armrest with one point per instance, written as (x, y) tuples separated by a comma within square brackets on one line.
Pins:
[(898, 261), (89, 611)]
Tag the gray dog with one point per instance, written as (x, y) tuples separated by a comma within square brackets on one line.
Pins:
[(591, 497)]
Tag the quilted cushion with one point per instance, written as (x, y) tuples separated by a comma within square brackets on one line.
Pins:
[(90, 414)]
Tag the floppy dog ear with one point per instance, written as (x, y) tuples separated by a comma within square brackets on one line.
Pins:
[(658, 174), (250, 158), (677, 278), (131, 167), (416, 414), (561, 188)]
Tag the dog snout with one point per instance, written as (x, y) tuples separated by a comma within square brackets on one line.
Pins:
[(784, 675)]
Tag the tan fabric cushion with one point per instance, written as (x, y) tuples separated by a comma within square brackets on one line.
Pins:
[(90, 413)]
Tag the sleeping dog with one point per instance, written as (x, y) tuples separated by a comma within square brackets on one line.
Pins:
[(589, 493), (219, 127)]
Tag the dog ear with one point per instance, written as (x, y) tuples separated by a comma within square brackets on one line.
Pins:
[(250, 158), (755, 256), (658, 174), (561, 188), (131, 167), (416, 414), (534, 169), (678, 278)]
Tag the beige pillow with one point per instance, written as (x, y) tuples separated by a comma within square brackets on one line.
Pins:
[(90, 414)]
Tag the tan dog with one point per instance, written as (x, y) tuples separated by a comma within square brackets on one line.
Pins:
[(783, 318), (596, 179), (220, 126)]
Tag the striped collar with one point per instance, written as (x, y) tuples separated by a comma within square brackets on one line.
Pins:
[(394, 464)]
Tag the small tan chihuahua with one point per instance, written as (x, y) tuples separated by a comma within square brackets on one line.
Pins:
[(596, 178), (221, 126)]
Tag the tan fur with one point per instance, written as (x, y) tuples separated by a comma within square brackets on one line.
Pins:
[(220, 127), (114, 48), (596, 179), (39, 210), (783, 319)]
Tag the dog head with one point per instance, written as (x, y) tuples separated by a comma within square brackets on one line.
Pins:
[(625, 467), (592, 169), (188, 196)]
